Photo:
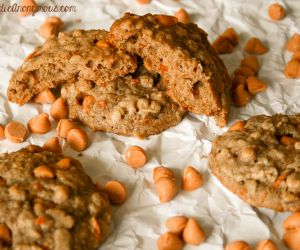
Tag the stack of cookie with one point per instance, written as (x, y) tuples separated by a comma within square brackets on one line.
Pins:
[(137, 80)]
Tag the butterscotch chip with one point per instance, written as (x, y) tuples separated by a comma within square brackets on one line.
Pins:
[(116, 192), (202, 83), (77, 139), (59, 109), (64, 163), (136, 156), (293, 45), (296, 56), (28, 7), (66, 57), (169, 241), (45, 97), (39, 124), (237, 126), (292, 69), (15, 132), (57, 209), (266, 245), (266, 145), (182, 16), (176, 224), (143, 1), (64, 126), (53, 145), (2, 135), (240, 96), (238, 245), (166, 188), (192, 179), (255, 85), (245, 71), (276, 11), (239, 79), (232, 36), (255, 46), (193, 233), (223, 45), (251, 62), (51, 26), (43, 172)]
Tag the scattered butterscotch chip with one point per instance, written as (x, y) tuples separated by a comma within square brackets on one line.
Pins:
[(292, 69), (192, 179), (291, 237), (182, 16), (45, 96), (166, 20), (255, 85), (276, 11), (251, 62), (232, 36), (15, 132), (28, 7), (238, 80), (2, 128), (5, 234), (64, 126), (39, 124), (64, 163), (165, 183), (136, 157), (255, 46), (59, 109), (239, 125), (78, 139), (238, 245), (143, 1), (176, 224), (245, 71), (166, 189), (240, 96), (116, 192), (296, 56), (43, 172), (222, 45), (159, 172), (293, 45), (52, 145), (266, 245), (193, 233), (169, 241), (51, 26), (226, 42)]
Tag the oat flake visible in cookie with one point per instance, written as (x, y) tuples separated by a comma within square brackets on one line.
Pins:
[(261, 163), (49, 203)]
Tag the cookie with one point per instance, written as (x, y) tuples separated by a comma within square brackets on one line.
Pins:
[(48, 202), (193, 74), (261, 161), (65, 57), (130, 105)]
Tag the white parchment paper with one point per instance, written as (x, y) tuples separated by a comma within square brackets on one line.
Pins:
[(138, 223)]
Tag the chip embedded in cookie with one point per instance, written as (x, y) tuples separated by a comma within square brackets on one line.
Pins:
[(63, 58), (131, 105), (48, 202), (260, 161), (193, 74)]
